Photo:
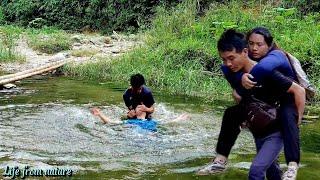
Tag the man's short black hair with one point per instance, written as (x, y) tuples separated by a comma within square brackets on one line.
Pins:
[(231, 39), (137, 80)]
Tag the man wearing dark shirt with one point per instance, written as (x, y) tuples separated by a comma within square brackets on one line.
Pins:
[(138, 98), (271, 87)]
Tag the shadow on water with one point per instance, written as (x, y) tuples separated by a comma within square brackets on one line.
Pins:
[(46, 123)]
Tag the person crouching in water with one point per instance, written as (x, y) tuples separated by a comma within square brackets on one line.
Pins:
[(138, 98)]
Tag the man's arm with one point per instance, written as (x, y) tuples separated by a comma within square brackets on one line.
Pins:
[(148, 103), (126, 99), (145, 108), (274, 60), (299, 99)]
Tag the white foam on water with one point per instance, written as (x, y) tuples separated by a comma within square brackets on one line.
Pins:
[(69, 135)]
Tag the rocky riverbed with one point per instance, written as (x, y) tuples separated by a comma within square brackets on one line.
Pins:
[(85, 48)]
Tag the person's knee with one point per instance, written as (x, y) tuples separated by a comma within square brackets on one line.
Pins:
[(140, 114), (257, 172)]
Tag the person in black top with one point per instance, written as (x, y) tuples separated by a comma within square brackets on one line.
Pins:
[(138, 98), (272, 87)]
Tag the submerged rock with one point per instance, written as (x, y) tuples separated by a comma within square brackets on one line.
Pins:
[(9, 86)]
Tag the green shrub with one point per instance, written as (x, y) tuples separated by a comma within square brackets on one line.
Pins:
[(180, 46), (2, 18), (49, 40), (76, 14), (8, 38)]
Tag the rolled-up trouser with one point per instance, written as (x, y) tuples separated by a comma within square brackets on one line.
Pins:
[(265, 163)]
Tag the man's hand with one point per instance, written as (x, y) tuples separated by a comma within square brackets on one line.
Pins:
[(142, 108), (131, 113), (246, 82)]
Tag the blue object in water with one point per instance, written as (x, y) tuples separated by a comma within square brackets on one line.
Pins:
[(149, 124)]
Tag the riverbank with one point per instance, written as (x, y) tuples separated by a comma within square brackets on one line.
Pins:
[(177, 54), (32, 48), (180, 56)]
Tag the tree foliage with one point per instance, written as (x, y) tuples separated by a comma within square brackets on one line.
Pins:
[(104, 15)]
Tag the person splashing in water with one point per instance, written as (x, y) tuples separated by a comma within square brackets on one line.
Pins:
[(140, 102)]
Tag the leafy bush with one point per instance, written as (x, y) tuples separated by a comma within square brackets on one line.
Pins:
[(180, 45), (304, 6), (2, 21), (77, 14)]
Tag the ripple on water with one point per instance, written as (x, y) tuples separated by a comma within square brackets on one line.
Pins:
[(68, 135)]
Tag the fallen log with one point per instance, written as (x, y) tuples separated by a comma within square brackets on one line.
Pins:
[(24, 74)]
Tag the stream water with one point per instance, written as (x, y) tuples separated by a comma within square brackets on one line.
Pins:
[(45, 123)]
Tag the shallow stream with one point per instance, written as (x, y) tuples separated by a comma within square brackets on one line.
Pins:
[(45, 123)]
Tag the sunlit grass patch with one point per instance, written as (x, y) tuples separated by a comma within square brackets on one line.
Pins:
[(49, 40)]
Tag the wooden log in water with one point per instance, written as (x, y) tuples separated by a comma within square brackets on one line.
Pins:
[(31, 72)]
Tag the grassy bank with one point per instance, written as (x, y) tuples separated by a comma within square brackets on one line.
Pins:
[(45, 40), (180, 52), (8, 38), (48, 40)]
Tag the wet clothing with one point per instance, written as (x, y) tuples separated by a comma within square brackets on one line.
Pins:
[(288, 115), (133, 100), (275, 60), (149, 125)]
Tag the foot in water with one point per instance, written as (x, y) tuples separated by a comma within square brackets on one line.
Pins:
[(212, 168)]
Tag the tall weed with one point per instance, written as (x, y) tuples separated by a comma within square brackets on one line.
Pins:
[(180, 54)]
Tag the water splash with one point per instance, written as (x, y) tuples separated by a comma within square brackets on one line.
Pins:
[(69, 136)]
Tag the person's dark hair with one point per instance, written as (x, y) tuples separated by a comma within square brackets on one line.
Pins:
[(137, 80), (231, 39), (263, 32)]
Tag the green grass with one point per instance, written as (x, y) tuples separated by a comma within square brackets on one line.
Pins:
[(46, 40), (8, 38), (180, 47), (84, 52), (49, 40)]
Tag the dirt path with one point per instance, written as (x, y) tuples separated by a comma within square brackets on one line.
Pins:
[(85, 48)]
